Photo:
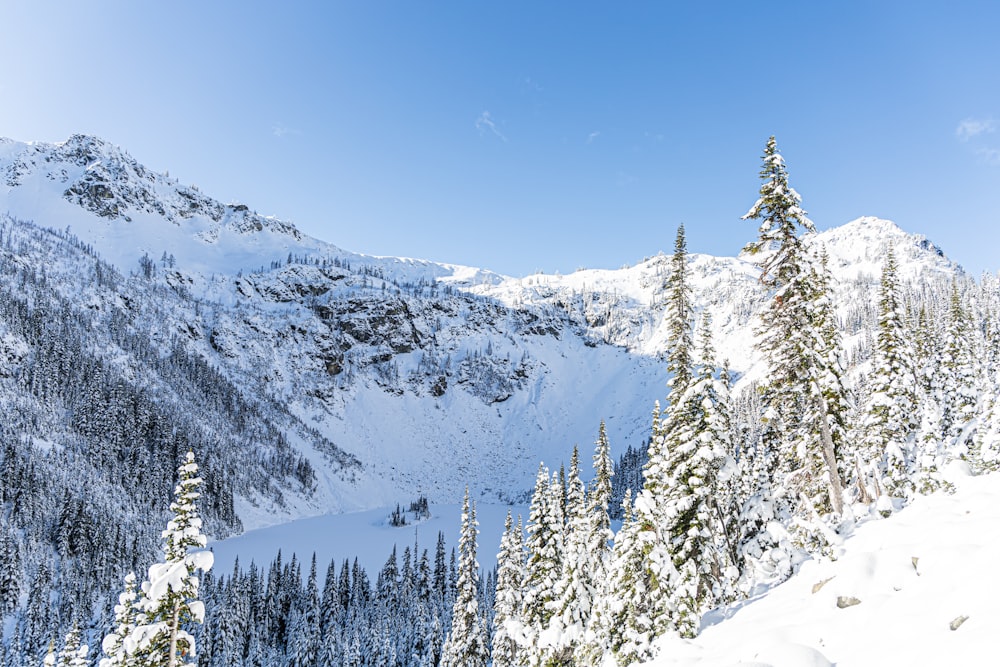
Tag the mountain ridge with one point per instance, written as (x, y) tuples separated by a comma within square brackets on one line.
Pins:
[(405, 363)]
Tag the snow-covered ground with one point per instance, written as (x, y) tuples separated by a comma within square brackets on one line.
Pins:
[(914, 576), (367, 536)]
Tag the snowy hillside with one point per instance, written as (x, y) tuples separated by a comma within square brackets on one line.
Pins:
[(404, 363), (915, 589)]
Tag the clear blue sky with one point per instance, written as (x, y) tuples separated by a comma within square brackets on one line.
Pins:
[(532, 135)]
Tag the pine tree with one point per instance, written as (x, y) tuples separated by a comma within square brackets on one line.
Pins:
[(506, 608), (697, 437), (598, 551), (573, 594), (543, 568), (169, 596), (680, 313), (803, 396), (10, 571), (958, 370), (643, 572), (466, 644), (624, 624), (890, 412), (781, 215), (73, 654), (125, 618)]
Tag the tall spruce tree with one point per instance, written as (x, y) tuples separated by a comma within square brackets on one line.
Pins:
[(543, 567), (73, 653), (680, 314), (623, 623), (510, 574), (466, 645), (797, 338), (959, 381), (168, 601), (598, 549), (573, 594), (114, 645), (698, 444), (891, 407), (643, 572)]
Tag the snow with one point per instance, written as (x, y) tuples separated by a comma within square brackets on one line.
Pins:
[(914, 575), (365, 535)]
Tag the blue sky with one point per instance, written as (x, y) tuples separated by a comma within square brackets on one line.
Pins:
[(525, 136)]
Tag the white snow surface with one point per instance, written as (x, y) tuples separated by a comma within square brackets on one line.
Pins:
[(915, 575), (367, 536)]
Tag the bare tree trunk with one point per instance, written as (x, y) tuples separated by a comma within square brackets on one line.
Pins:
[(172, 656), (829, 455)]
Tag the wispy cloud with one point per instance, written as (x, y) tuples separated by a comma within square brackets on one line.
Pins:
[(989, 155), (281, 130), (973, 127), (532, 85), (485, 123), (592, 136)]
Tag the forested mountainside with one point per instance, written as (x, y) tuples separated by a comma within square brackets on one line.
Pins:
[(140, 318)]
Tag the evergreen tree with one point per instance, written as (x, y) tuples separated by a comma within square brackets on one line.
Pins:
[(697, 436), (169, 596), (596, 563), (643, 572), (114, 645), (506, 608), (542, 571), (574, 592), (803, 397), (466, 644), (959, 381), (891, 409), (623, 621), (680, 313), (73, 654), (10, 571)]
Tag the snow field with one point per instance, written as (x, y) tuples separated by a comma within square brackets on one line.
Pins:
[(892, 597)]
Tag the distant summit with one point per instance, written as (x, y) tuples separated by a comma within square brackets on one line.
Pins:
[(108, 182)]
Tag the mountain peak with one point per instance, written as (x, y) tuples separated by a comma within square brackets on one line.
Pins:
[(858, 248), (104, 180)]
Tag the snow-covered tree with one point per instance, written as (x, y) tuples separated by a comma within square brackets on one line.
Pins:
[(891, 407), (644, 569), (466, 645), (507, 604), (634, 611), (679, 315), (597, 561), (73, 653), (544, 545), (114, 645), (803, 395), (638, 606), (959, 383), (168, 600), (574, 590), (698, 445)]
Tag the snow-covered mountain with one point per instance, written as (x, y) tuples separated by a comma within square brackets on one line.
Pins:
[(398, 377)]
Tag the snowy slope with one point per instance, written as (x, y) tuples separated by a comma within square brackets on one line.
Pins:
[(923, 580), (627, 307), (432, 376)]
